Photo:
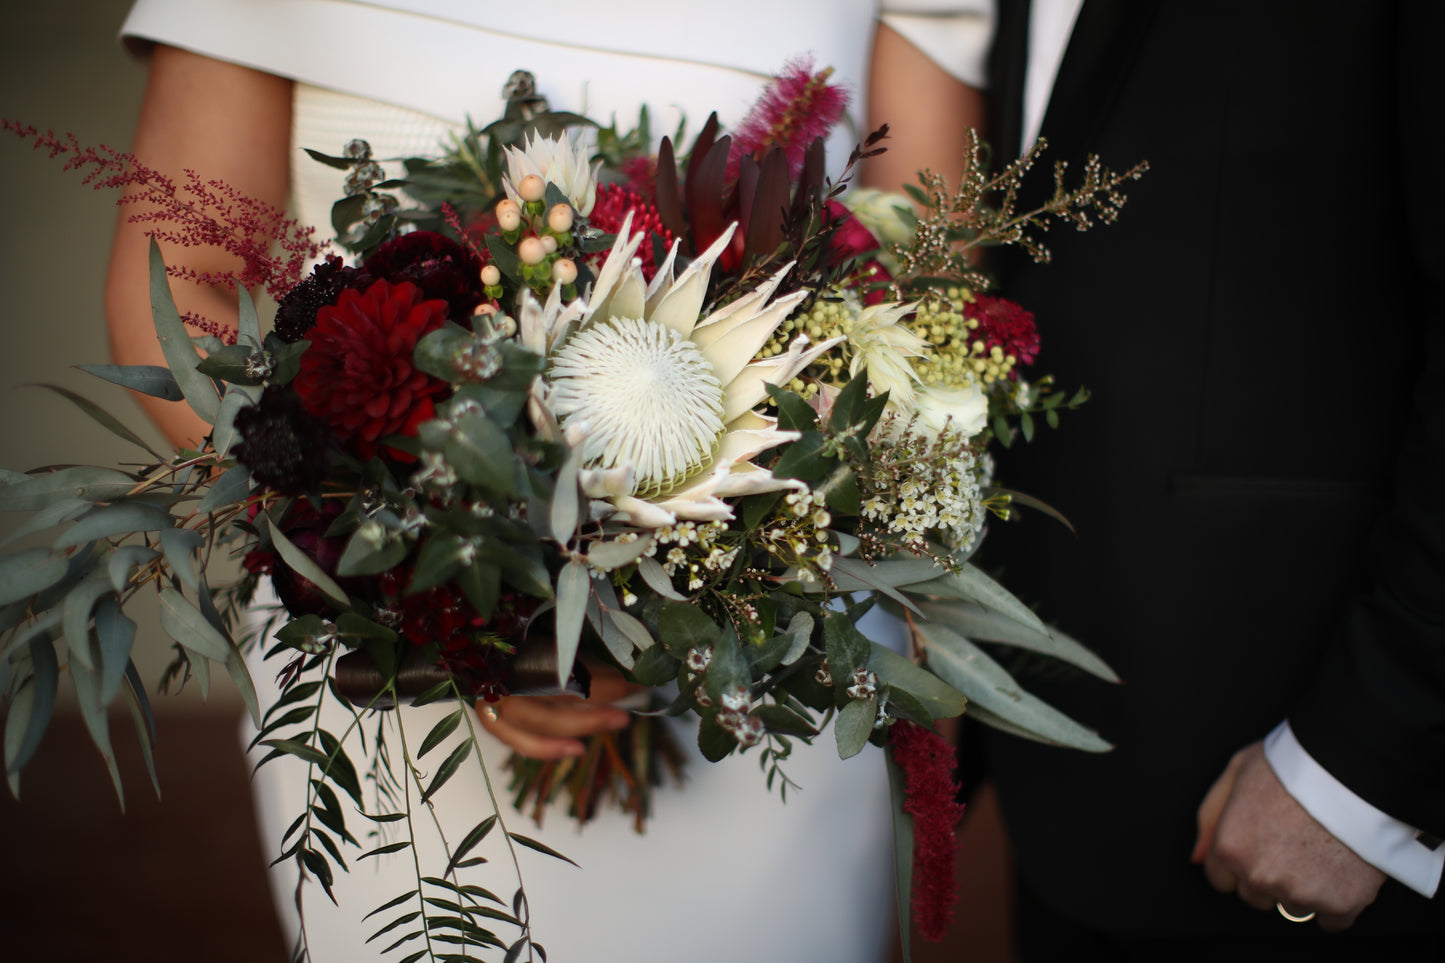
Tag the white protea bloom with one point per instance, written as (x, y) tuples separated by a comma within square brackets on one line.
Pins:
[(668, 396), (561, 161)]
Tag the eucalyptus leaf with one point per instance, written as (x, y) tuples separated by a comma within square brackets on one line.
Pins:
[(97, 721), (39, 693), (574, 587), (682, 627), (800, 629), (565, 507), (976, 622), (195, 633), (652, 573), (248, 322), (104, 418), (29, 572), (236, 397), (148, 379), (76, 624), (176, 346), (854, 575), (38, 492), (116, 634), (108, 521), (179, 546), (970, 670), (631, 627), (231, 487), (854, 724), (57, 514), (480, 452), (303, 565), (971, 583), (124, 560), (42, 627), (606, 556), (941, 700)]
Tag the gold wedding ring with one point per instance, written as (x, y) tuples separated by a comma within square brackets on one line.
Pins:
[(1292, 917)]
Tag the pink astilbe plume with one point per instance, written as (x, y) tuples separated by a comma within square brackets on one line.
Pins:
[(795, 109), (927, 761), (273, 249)]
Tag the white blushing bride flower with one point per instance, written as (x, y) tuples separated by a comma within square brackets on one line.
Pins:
[(664, 399), (557, 160)]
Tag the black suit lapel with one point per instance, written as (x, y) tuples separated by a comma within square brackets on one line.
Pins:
[(1102, 51)]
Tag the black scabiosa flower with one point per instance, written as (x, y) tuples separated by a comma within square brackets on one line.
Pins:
[(296, 313), (282, 445)]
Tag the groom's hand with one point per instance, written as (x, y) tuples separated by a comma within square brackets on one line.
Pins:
[(1257, 841)]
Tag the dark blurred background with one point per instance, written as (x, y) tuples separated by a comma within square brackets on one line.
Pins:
[(179, 878)]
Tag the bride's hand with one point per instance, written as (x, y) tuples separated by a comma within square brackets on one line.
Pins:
[(552, 727)]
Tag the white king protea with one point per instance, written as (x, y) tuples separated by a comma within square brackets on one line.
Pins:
[(665, 399), (557, 160)]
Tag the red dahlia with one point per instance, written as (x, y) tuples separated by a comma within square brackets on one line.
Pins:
[(358, 374)]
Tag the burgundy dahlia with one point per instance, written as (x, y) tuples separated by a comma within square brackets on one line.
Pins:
[(358, 375), (437, 265)]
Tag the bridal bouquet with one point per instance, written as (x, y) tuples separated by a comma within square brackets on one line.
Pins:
[(691, 420)]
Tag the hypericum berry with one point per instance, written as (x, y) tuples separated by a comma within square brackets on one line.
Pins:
[(532, 188), (564, 271), (531, 251), (559, 218), (509, 215)]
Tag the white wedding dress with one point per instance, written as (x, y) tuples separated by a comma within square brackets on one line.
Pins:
[(726, 870)]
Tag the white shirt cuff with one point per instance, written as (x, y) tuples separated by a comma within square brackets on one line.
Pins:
[(1379, 839)]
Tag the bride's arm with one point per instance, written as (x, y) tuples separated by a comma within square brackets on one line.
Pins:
[(226, 123), (928, 112)]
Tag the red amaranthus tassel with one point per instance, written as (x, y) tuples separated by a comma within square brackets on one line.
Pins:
[(927, 761)]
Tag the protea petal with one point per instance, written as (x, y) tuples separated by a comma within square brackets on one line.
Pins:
[(737, 346), (619, 261), (747, 479), (679, 308), (748, 389), (644, 514)]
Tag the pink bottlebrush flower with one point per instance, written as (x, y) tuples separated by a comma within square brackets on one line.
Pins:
[(927, 761), (795, 109)]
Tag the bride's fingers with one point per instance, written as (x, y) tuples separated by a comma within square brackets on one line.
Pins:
[(562, 717), (523, 742)]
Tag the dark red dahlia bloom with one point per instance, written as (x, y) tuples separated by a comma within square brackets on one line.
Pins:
[(437, 265), (358, 376), (927, 761), (1005, 325), (609, 211)]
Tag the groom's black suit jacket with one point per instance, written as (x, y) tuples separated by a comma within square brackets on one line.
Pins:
[(1258, 484)]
